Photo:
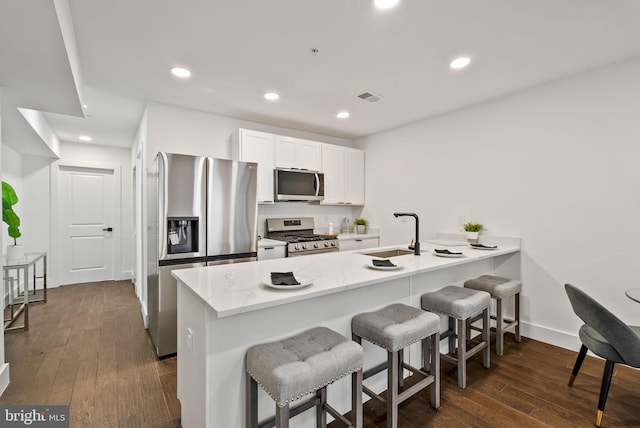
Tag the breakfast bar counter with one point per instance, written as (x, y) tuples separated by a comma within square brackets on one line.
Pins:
[(225, 309)]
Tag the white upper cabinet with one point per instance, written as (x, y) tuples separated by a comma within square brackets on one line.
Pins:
[(343, 169), (333, 168), (259, 147), (354, 176), (298, 153)]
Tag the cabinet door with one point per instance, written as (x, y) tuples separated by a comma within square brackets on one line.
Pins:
[(286, 152), (349, 245), (333, 168), (368, 243), (259, 147), (268, 253), (310, 155), (353, 176)]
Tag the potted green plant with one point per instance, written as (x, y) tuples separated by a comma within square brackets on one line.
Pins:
[(9, 216), (361, 225), (472, 231)]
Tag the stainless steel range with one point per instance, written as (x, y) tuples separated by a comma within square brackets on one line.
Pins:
[(299, 236)]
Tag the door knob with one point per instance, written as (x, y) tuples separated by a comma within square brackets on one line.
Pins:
[(108, 229)]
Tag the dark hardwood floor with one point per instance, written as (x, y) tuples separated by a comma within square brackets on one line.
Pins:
[(87, 347)]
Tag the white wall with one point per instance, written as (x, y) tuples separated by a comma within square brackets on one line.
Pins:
[(4, 366), (12, 174), (558, 165)]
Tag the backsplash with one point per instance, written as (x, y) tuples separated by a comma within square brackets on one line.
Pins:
[(322, 214)]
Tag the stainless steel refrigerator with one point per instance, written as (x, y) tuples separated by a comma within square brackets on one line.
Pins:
[(202, 211)]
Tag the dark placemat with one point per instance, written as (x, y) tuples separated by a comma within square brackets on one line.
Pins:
[(383, 263), (444, 251), (483, 246), (283, 278)]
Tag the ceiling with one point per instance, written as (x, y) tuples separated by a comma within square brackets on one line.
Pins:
[(237, 50)]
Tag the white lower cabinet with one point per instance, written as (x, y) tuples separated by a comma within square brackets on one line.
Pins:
[(271, 252), (359, 244)]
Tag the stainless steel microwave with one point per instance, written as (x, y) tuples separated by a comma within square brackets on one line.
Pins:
[(298, 185)]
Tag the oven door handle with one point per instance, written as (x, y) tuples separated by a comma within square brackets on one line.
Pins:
[(316, 183)]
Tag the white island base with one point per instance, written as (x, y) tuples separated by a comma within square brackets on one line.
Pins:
[(223, 310)]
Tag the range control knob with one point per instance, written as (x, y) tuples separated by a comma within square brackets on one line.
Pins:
[(326, 244), (333, 244), (296, 247), (304, 246), (315, 245)]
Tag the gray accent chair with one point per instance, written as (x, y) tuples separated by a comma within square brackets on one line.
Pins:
[(605, 335)]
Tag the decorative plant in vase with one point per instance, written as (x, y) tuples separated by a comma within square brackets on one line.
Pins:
[(361, 225), (472, 231), (9, 216)]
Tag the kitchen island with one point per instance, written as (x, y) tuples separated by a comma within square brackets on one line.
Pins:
[(223, 310)]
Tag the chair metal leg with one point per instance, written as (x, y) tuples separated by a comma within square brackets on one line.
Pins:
[(392, 389), (578, 364), (499, 326), (321, 415), (251, 404), (282, 416), (517, 317), (486, 326), (462, 351), (356, 399), (604, 390)]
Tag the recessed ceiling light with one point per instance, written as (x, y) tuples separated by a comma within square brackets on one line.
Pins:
[(271, 96), (385, 4), (84, 138), (461, 62), (180, 72), (343, 115)]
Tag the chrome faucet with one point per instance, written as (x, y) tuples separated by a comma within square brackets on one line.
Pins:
[(416, 245)]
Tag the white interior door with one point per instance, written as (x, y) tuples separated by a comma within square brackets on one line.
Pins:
[(86, 211)]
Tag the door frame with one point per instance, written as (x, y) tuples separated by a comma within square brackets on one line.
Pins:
[(56, 233)]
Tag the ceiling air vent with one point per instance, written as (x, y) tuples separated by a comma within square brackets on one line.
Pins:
[(369, 96)]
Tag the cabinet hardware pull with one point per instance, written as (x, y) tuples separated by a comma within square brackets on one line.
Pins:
[(269, 248), (108, 229)]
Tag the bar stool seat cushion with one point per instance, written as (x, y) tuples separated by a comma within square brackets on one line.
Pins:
[(295, 366), (456, 302), (497, 286), (396, 326)]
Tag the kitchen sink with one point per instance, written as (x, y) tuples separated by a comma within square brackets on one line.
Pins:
[(389, 253)]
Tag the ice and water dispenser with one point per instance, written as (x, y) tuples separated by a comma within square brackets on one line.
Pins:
[(182, 235)]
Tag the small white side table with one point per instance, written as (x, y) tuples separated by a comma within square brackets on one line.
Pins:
[(16, 282)]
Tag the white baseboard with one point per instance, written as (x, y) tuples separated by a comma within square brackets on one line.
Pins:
[(4, 377), (551, 336), (145, 315)]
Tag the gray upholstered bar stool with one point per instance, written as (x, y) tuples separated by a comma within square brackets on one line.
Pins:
[(500, 289), (291, 368), (393, 328), (461, 304)]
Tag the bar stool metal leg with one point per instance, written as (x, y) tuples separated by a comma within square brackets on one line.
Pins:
[(356, 399), (517, 318), (462, 351), (392, 390), (485, 338), (251, 404), (321, 415), (282, 416), (499, 326)]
